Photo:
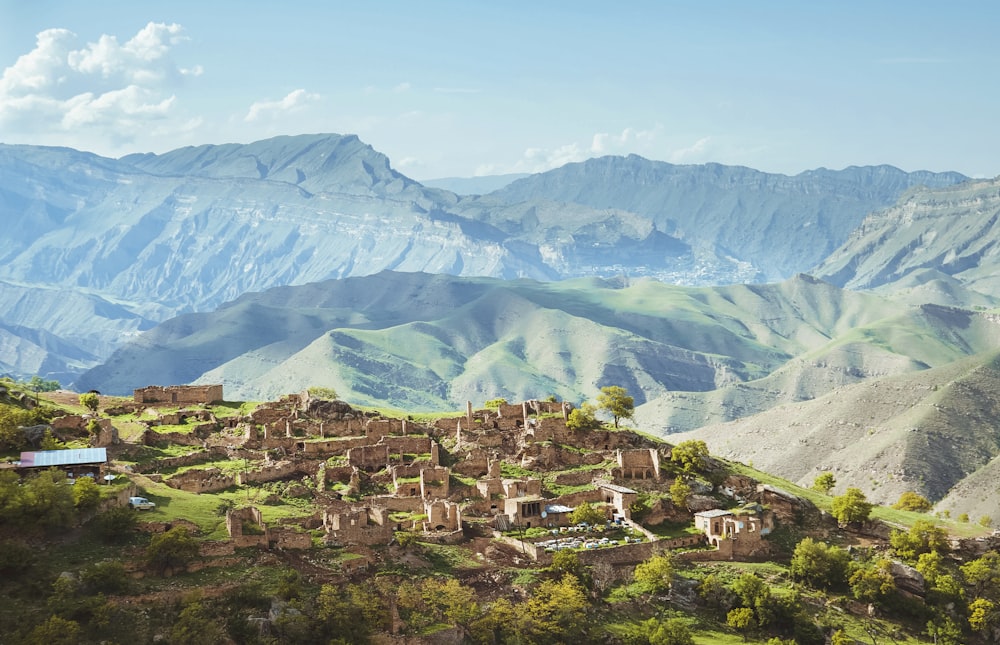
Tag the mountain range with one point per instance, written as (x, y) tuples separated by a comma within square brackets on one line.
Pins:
[(834, 320), (147, 237)]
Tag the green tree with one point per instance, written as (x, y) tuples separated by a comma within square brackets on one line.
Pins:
[(819, 565), (172, 549), (679, 492), (86, 493), (55, 631), (565, 561), (341, 614), (985, 521), (983, 575), (50, 442), (983, 615), (824, 482), (586, 512), (48, 501), (324, 393), (555, 612), (910, 501), (615, 400), (672, 631), (495, 404), (90, 401), (741, 619), (873, 583), (922, 537), (690, 456), (38, 384), (195, 627), (116, 524), (840, 637), (583, 418), (852, 506), (656, 574), (451, 601)]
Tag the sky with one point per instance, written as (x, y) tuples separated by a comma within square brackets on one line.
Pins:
[(460, 89)]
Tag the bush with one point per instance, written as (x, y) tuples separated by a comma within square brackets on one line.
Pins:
[(819, 565), (86, 493), (117, 524), (173, 549), (910, 501)]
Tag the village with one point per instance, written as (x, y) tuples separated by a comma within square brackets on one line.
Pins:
[(317, 492), (506, 472)]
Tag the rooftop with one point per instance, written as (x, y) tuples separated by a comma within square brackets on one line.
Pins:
[(618, 489), (71, 457), (715, 512)]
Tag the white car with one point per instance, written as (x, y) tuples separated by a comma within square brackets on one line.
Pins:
[(140, 503)]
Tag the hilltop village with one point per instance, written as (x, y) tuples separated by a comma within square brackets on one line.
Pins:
[(343, 496), (492, 471)]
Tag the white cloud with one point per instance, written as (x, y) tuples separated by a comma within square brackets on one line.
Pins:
[(695, 153), (293, 102), (630, 141), (402, 87), (102, 90)]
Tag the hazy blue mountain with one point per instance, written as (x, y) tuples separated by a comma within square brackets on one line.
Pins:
[(196, 227), (473, 185), (775, 225)]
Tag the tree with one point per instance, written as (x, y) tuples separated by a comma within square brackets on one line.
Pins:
[(171, 550), (852, 506), (910, 501), (615, 400), (983, 615), (983, 574), (564, 562), (690, 456), (116, 524), (555, 612), (38, 384), (819, 565), (655, 574), (48, 501), (824, 483), (923, 537), (55, 631), (324, 393), (741, 619), (873, 583), (586, 513), (90, 400), (583, 418), (195, 627), (672, 631), (86, 493), (679, 492), (494, 404)]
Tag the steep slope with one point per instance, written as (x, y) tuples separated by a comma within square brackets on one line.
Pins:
[(908, 339), (924, 431), (950, 232), (424, 341), (775, 223)]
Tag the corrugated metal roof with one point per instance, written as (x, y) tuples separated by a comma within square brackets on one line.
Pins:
[(618, 489), (71, 457), (715, 512)]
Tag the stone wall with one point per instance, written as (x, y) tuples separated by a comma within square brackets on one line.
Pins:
[(179, 394), (209, 480), (278, 470), (435, 482), (368, 457)]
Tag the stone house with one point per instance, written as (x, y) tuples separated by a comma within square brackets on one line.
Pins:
[(367, 525), (179, 394)]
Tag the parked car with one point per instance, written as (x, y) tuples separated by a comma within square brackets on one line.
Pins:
[(140, 503)]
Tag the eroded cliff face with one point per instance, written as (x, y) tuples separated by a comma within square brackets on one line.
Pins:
[(949, 233)]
